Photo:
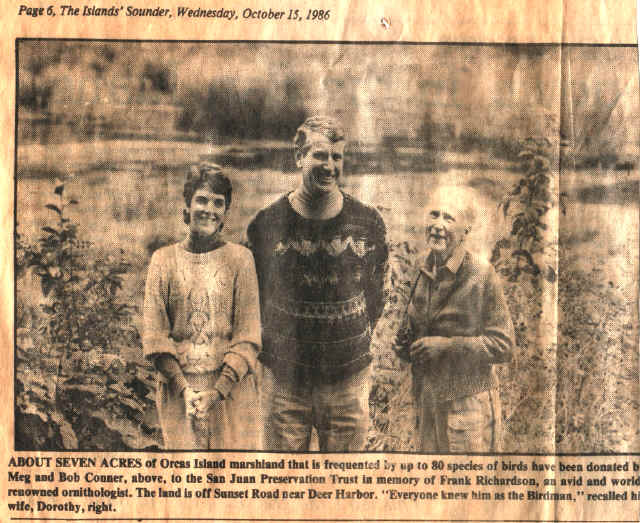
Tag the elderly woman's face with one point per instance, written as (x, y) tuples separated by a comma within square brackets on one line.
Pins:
[(206, 212), (445, 226)]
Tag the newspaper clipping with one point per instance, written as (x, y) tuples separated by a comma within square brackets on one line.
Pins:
[(320, 262)]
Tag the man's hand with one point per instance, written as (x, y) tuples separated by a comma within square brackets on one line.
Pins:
[(204, 401), (429, 349), (189, 401)]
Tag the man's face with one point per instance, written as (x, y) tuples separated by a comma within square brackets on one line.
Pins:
[(206, 212), (321, 164), (445, 227)]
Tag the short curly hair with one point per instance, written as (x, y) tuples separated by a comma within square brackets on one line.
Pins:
[(210, 175), (324, 125)]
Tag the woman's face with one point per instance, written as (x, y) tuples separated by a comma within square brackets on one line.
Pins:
[(207, 213)]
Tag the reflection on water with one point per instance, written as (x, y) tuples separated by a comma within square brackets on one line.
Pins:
[(601, 225), (129, 207)]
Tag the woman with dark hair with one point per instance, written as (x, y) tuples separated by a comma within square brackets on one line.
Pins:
[(202, 326)]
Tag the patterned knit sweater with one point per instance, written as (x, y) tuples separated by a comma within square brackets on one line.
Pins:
[(202, 309), (321, 288)]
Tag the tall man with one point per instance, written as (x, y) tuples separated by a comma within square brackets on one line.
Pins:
[(457, 328), (321, 257)]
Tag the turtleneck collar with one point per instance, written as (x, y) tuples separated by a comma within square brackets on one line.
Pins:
[(198, 245), (323, 206)]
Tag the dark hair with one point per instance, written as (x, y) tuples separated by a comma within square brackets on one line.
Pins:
[(210, 175), (318, 124)]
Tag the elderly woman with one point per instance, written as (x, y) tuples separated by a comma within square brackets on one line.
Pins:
[(202, 326), (457, 327)]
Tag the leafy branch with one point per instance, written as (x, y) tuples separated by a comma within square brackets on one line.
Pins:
[(527, 205)]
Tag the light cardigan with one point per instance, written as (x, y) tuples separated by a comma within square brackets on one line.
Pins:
[(203, 309), (462, 301)]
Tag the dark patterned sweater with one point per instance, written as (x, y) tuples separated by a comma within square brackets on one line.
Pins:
[(321, 288)]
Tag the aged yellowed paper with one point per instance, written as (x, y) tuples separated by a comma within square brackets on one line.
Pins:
[(339, 261)]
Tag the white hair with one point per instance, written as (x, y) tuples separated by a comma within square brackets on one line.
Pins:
[(463, 199)]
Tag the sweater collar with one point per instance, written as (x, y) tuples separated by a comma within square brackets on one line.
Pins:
[(453, 263), (211, 245), (322, 207)]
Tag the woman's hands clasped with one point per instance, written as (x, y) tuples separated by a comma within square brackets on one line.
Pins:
[(198, 404)]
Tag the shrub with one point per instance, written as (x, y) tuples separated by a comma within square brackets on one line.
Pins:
[(390, 401), (525, 258), (73, 390), (597, 361), (527, 204)]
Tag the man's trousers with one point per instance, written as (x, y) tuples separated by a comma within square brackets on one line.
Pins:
[(338, 411)]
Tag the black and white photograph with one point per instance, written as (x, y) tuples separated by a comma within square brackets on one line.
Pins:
[(326, 247)]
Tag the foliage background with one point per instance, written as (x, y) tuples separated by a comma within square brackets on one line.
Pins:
[(114, 126)]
